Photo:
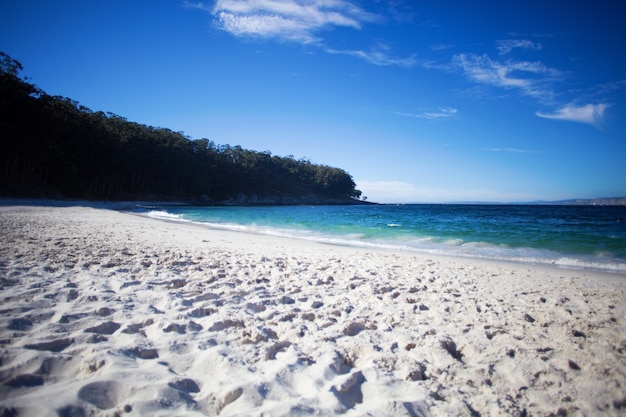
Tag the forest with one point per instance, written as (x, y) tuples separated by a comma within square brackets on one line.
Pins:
[(53, 147)]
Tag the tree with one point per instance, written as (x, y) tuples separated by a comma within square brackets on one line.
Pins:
[(52, 145), (9, 65)]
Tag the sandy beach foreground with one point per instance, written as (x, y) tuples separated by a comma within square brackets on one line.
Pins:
[(104, 313)]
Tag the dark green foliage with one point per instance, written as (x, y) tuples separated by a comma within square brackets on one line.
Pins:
[(52, 146)]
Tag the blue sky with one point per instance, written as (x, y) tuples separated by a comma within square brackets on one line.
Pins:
[(420, 101)]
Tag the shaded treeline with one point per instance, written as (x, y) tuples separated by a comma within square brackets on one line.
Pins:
[(52, 146)]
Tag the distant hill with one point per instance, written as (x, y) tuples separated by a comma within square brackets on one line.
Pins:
[(608, 201), (605, 201)]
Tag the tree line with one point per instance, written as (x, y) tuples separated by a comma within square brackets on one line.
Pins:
[(52, 146)]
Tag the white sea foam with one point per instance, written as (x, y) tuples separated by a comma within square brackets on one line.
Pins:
[(160, 214), (610, 266)]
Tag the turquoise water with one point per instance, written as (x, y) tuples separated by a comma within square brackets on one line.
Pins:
[(569, 236)]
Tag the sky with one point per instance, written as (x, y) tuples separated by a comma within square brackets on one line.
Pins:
[(438, 101)]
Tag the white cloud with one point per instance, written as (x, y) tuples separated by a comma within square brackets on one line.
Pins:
[(512, 150), (441, 113), (300, 21), (532, 79), (291, 20), (592, 114), (529, 77), (265, 26), (377, 57), (506, 46)]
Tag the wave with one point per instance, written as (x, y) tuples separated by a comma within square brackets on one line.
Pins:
[(575, 263), (163, 215)]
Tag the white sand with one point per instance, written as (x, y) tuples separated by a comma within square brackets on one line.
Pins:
[(112, 314)]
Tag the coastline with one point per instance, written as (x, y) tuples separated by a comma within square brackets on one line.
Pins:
[(104, 311)]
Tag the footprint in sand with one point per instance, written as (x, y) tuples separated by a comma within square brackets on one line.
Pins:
[(25, 380), (450, 346), (142, 353), (175, 327), (108, 327), (20, 324), (52, 346), (102, 394), (354, 328), (277, 347), (186, 385), (222, 325), (349, 391)]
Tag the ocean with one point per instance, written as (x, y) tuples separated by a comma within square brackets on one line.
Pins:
[(585, 237)]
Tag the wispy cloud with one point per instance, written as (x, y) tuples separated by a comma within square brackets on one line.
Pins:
[(441, 113), (592, 114), (378, 56), (612, 86), (536, 80), (531, 78), (512, 150), (286, 20), (507, 45), (440, 47)]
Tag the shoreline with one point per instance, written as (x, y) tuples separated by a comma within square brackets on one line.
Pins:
[(564, 261), (132, 206), (105, 311), (599, 273)]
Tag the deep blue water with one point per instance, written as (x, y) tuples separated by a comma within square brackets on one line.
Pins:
[(568, 236)]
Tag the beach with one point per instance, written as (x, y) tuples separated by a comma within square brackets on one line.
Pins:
[(109, 313)]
